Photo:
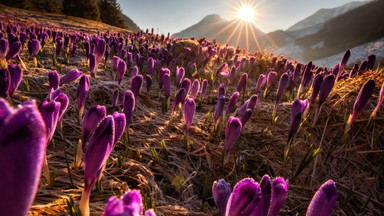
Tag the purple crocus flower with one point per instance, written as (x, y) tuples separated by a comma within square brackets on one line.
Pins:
[(279, 194), (73, 50), (120, 123), (186, 84), (23, 143), (219, 109), (115, 63), (100, 50), (13, 50), (59, 47), (204, 86), (246, 116), (222, 68), (167, 86), (16, 74), (161, 76), (195, 89), (307, 76), (249, 104), (271, 77), (59, 96), (3, 47), (242, 83), (180, 72), (324, 200), (128, 106), (232, 133), (244, 198), (100, 146), (130, 204), (260, 82), (178, 99), (263, 207), (92, 64), (361, 101), (50, 113), (381, 99), (134, 72), (70, 76), (345, 59), (232, 102), (325, 89), (115, 98), (54, 80), (221, 190), (221, 90), (283, 83), (296, 74), (371, 62), (151, 66), (35, 47), (90, 121), (148, 82), (298, 108), (136, 84), (189, 112), (121, 68), (5, 82), (82, 93), (316, 84)]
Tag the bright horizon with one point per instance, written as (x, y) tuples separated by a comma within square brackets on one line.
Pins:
[(174, 15)]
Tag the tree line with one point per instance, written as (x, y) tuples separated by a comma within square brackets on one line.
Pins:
[(107, 11)]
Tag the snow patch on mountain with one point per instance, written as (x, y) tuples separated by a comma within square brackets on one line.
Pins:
[(358, 54)]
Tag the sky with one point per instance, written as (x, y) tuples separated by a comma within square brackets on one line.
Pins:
[(176, 15)]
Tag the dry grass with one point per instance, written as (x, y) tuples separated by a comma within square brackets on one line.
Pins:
[(176, 185)]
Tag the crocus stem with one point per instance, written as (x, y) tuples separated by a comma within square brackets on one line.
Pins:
[(21, 62), (349, 124), (84, 203), (299, 91), (317, 115), (79, 154), (35, 60)]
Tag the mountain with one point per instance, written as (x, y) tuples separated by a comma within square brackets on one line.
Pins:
[(323, 15), (232, 32), (129, 23)]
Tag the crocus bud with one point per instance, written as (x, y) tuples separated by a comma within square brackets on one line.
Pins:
[(5, 82), (121, 68), (115, 98), (189, 112), (221, 90), (344, 60), (271, 77), (381, 99), (222, 68), (120, 123), (82, 93), (195, 89), (371, 62), (54, 80), (242, 83), (232, 133), (50, 114), (13, 50), (307, 76), (128, 106), (59, 96), (244, 198), (134, 72), (100, 50), (16, 74), (92, 64), (204, 86), (316, 84), (296, 74), (161, 76), (246, 116), (325, 89), (100, 146), (361, 101), (298, 108), (180, 72), (263, 207), (219, 108), (186, 84), (3, 47), (70, 76), (232, 102), (324, 200), (35, 47), (115, 63), (90, 121), (73, 50), (260, 82), (23, 142), (279, 194), (130, 204), (151, 66), (221, 190), (60, 45), (148, 82), (178, 98), (136, 84), (150, 212)]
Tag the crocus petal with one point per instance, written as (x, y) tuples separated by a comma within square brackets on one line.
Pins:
[(70, 76), (326, 88), (219, 108), (133, 201), (121, 68), (242, 83), (246, 116), (54, 80), (90, 121), (136, 84), (22, 144), (128, 106), (16, 74), (363, 97), (232, 102), (115, 97), (204, 86), (195, 89), (178, 98), (50, 113), (120, 123), (167, 86), (5, 82), (82, 93), (221, 190), (260, 82), (263, 207), (279, 194), (244, 198), (324, 200), (189, 112), (232, 133)]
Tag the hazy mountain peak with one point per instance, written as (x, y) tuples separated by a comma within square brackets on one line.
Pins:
[(325, 14)]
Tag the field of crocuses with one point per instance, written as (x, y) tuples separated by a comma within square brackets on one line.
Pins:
[(134, 123)]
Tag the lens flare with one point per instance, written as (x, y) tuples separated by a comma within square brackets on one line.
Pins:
[(246, 13)]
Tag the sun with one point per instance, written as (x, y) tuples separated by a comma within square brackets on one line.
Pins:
[(246, 13)]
